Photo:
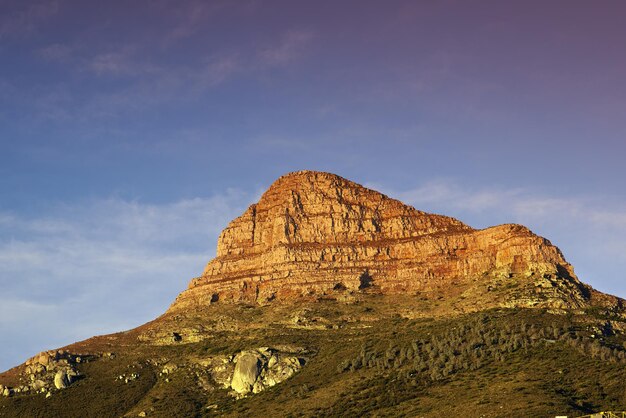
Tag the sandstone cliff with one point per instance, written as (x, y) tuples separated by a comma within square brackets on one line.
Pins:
[(315, 234)]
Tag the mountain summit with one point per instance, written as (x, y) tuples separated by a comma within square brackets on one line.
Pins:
[(315, 234)]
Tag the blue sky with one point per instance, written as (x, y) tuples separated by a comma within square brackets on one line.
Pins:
[(131, 133)]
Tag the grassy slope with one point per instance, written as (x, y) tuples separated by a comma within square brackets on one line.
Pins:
[(547, 377)]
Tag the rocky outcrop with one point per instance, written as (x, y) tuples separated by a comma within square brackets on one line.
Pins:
[(257, 370), (48, 370), (248, 371), (314, 234)]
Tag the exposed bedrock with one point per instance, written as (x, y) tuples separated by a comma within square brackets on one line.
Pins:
[(314, 233)]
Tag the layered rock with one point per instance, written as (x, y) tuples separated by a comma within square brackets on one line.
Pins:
[(314, 234)]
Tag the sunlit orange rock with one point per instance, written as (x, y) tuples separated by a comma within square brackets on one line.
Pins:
[(314, 234)]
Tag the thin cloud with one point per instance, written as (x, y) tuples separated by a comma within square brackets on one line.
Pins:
[(518, 203), (287, 50), (10, 309), (149, 81), (282, 143), (216, 71), (59, 53), (24, 21), (158, 84), (102, 262), (125, 60), (609, 219), (191, 17), (115, 63)]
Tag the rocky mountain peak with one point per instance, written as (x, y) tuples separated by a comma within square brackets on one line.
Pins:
[(315, 234), (309, 207)]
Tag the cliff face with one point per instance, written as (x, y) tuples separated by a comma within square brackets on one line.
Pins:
[(316, 234)]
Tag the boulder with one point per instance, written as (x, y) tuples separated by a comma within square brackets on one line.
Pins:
[(43, 359), (38, 384), (247, 371), (61, 380), (258, 369), (36, 368)]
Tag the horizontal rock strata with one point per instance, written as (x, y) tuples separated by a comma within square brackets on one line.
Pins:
[(314, 233)]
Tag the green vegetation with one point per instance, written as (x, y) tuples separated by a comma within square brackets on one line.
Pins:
[(521, 362)]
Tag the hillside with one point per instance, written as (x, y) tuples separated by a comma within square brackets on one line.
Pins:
[(330, 299)]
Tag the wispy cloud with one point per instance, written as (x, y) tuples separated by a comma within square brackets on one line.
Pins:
[(289, 48), (25, 17), (519, 204), (57, 52), (276, 143), (191, 17), (216, 70), (148, 82), (119, 62), (107, 264)]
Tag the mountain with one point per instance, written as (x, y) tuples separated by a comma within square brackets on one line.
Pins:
[(313, 234), (327, 298)]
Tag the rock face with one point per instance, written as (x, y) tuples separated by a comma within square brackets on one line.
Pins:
[(314, 234)]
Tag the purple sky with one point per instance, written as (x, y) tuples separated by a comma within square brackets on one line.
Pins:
[(131, 132)]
